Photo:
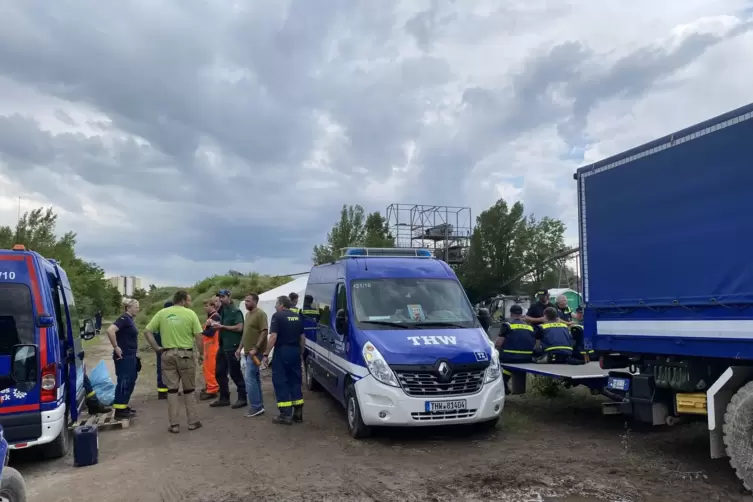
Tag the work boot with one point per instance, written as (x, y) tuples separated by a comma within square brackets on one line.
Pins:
[(206, 396), (221, 402), (95, 406), (173, 408), (123, 414), (298, 413), (282, 420), (161, 395), (240, 403)]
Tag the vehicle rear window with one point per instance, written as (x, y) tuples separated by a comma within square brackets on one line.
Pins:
[(16, 317)]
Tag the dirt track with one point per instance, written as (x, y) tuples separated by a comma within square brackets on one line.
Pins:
[(557, 451)]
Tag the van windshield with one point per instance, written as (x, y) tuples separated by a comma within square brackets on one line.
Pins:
[(16, 317), (414, 303)]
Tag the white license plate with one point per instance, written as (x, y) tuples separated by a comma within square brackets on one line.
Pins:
[(458, 404), (622, 384)]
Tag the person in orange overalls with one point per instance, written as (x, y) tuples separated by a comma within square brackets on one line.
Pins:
[(211, 345)]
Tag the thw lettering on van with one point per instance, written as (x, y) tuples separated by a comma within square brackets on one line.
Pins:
[(433, 340)]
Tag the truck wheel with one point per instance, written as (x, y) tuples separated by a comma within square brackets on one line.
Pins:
[(311, 384), (12, 486), (738, 429), (356, 427)]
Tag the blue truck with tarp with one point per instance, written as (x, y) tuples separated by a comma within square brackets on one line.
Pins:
[(665, 239)]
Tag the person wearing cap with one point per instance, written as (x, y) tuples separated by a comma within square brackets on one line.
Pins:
[(230, 329), (535, 314), (286, 337), (515, 342), (555, 338), (161, 388), (294, 302)]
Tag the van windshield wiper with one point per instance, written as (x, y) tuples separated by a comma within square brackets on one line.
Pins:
[(389, 323), (439, 324)]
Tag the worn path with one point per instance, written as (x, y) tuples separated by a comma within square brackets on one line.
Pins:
[(563, 450)]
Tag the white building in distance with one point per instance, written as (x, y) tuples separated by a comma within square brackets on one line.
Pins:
[(126, 285)]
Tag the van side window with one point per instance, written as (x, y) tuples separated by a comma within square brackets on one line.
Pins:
[(57, 300), (322, 294), (73, 311), (16, 317), (342, 299)]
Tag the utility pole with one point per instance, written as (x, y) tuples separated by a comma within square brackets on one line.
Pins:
[(18, 220)]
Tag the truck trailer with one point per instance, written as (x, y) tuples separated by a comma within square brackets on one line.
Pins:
[(666, 236)]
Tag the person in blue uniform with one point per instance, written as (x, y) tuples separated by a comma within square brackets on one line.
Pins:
[(286, 337), (515, 342), (563, 309), (555, 338), (123, 335), (161, 387), (535, 314), (294, 302), (309, 317)]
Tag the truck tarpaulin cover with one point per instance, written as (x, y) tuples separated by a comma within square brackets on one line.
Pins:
[(672, 223)]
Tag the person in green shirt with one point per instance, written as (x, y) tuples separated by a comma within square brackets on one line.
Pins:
[(231, 332), (180, 332)]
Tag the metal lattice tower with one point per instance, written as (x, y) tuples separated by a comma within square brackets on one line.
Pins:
[(445, 230)]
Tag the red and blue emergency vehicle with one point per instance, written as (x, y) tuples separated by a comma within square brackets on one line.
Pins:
[(38, 320)]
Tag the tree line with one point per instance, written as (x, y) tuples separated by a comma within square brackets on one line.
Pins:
[(507, 253), (36, 230)]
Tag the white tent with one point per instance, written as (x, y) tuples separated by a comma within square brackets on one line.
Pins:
[(268, 299)]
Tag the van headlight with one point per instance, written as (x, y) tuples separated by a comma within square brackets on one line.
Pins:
[(494, 370), (378, 367)]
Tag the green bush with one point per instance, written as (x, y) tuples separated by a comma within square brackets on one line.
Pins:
[(547, 387)]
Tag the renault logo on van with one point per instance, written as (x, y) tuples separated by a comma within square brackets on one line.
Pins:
[(444, 370)]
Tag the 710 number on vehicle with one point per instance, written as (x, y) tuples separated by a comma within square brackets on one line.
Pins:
[(7, 276)]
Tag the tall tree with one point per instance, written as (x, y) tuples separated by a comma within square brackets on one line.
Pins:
[(377, 232), (350, 230), (545, 239)]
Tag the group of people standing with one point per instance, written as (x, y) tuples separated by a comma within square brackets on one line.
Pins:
[(226, 336), (545, 334)]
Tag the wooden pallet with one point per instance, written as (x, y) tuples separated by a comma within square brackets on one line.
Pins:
[(103, 421)]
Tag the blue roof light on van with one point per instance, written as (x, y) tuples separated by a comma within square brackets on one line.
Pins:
[(385, 252)]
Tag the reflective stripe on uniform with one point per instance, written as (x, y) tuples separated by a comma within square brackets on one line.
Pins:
[(309, 312), (119, 406), (298, 402), (554, 325), (161, 389), (91, 394), (285, 404), (526, 327), (507, 372), (558, 347), (525, 352)]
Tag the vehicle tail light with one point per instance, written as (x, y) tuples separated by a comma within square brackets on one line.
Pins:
[(49, 383), (601, 362)]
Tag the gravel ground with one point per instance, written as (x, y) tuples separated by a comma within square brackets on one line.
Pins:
[(545, 450)]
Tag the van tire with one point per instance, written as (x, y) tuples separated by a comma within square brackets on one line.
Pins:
[(12, 486), (60, 446), (311, 383), (738, 427), (356, 427)]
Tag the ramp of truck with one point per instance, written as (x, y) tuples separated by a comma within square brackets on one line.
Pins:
[(590, 371)]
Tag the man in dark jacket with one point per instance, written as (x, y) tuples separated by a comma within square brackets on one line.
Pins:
[(230, 329)]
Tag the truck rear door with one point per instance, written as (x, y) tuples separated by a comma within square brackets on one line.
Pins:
[(74, 365), (19, 293)]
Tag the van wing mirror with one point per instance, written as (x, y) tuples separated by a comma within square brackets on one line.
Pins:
[(341, 321), (89, 330)]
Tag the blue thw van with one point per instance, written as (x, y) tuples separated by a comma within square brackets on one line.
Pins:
[(390, 333), (40, 330)]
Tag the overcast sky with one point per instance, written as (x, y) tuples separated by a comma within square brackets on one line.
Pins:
[(181, 139)]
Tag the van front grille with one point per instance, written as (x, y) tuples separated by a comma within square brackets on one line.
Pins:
[(437, 416), (428, 383)]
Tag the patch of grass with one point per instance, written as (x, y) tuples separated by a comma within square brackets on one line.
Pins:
[(546, 387)]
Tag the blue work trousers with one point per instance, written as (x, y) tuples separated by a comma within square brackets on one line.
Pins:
[(160, 385), (126, 371), (286, 378)]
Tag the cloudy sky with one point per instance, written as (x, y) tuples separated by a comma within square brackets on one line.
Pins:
[(184, 138)]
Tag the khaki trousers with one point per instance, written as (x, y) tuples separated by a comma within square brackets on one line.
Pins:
[(179, 367)]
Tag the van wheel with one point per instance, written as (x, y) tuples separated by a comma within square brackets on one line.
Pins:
[(356, 427), (12, 486), (59, 447), (311, 383), (738, 428)]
